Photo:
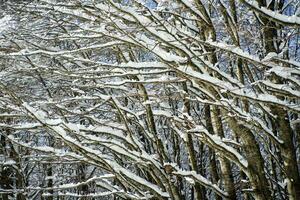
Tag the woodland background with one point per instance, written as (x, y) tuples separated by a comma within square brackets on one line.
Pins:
[(136, 99)]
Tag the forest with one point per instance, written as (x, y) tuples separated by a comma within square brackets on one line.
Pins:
[(149, 99)]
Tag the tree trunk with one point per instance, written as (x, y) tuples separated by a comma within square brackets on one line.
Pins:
[(256, 174)]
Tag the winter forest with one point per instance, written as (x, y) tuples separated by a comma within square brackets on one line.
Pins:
[(149, 99)]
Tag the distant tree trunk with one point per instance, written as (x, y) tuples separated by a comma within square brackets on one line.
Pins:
[(256, 174), (288, 150), (212, 157), (10, 175), (199, 191), (6, 173), (224, 163)]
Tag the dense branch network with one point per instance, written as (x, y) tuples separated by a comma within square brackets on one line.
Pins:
[(177, 100)]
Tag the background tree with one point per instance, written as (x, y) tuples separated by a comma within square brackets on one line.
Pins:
[(136, 99)]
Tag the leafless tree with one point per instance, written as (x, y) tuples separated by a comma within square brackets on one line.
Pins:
[(135, 99)]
